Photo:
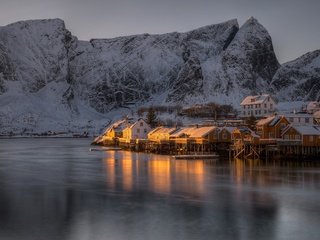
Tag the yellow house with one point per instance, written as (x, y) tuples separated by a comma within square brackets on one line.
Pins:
[(160, 134)]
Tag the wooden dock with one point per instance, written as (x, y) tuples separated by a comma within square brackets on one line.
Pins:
[(196, 156)]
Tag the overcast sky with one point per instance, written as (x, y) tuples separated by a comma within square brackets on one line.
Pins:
[(294, 25)]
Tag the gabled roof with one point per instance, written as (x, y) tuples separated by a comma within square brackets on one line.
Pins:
[(201, 131), (162, 130), (229, 129), (248, 131), (304, 129), (136, 122), (265, 121), (182, 131), (258, 99), (271, 121)]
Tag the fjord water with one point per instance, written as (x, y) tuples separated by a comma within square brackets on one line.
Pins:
[(58, 189)]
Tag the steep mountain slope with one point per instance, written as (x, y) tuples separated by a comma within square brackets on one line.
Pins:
[(49, 80), (299, 79), (112, 72), (247, 64)]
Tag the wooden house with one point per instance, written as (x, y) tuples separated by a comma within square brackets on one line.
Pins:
[(307, 136), (271, 128), (160, 134), (137, 130), (245, 135), (257, 106), (225, 134), (203, 135), (113, 131)]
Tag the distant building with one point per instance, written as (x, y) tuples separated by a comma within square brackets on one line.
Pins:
[(257, 106), (115, 130), (313, 107), (300, 118), (137, 130)]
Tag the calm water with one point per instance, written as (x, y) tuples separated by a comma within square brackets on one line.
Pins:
[(57, 189)]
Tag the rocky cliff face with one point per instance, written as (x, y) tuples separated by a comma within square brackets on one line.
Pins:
[(299, 79), (49, 80)]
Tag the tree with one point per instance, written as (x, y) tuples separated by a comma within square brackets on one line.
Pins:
[(251, 122), (151, 117)]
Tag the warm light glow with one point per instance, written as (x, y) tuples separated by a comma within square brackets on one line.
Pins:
[(127, 171), (191, 176), (110, 165), (159, 175)]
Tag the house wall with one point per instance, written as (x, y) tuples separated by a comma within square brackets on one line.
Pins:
[(225, 136), (311, 140), (267, 131), (139, 130), (258, 109), (292, 134)]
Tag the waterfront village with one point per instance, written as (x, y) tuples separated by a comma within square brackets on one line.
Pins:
[(258, 133)]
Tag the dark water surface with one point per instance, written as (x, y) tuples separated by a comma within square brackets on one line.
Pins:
[(57, 189)]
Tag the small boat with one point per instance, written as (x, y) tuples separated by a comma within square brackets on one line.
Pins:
[(196, 156)]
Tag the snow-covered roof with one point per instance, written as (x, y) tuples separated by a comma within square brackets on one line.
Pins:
[(298, 115), (265, 121), (229, 129), (136, 122), (258, 99), (120, 125), (305, 129), (201, 131), (308, 130), (162, 130), (181, 131), (316, 114)]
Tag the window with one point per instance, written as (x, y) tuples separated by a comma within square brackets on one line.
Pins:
[(138, 130), (145, 130), (224, 136), (244, 112), (265, 111), (271, 105), (291, 119), (265, 105), (256, 112), (244, 107), (307, 120), (141, 124)]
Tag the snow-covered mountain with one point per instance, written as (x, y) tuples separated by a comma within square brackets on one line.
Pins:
[(299, 79), (50, 80)]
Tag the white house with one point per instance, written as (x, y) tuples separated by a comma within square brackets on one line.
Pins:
[(257, 106), (300, 118), (137, 130)]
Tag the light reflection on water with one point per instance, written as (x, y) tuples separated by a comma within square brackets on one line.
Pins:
[(57, 189)]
